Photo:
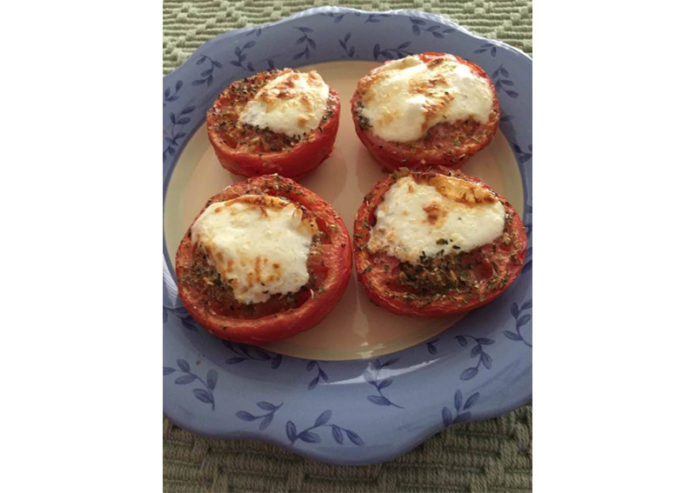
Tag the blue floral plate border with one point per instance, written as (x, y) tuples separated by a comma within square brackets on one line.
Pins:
[(360, 411)]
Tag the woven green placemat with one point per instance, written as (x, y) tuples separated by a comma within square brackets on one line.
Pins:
[(486, 456), (187, 25)]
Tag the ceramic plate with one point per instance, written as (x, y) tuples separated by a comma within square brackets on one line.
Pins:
[(364, 385)]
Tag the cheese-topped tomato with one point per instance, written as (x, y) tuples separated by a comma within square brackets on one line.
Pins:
[(265, 259), (292, 104), (443, 214), (436, 242), (258, 244), (423, 110), (280, 121), (404, 98)]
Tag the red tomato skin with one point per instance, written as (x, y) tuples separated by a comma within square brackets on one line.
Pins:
[(294, 163), (336, 255), (372, 276), (391, 156)]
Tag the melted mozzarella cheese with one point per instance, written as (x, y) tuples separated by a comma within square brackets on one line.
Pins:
[(259, 244), (416, 217), (292, 104), (404, 98)]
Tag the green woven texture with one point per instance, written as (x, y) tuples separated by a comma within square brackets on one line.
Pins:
[(187, 25), (486, 456)]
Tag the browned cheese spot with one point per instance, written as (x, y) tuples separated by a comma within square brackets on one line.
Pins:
[(436, 104), (314, 79), (257, 269), (271, 96), (365, 86), (461, 191), (306, 103), (276, 274), (436, 61), (435, 213), (263, 202)]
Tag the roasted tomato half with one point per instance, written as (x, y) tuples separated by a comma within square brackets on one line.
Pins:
[(265, 259), (280, 121), (420, 126), (436, 242)]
